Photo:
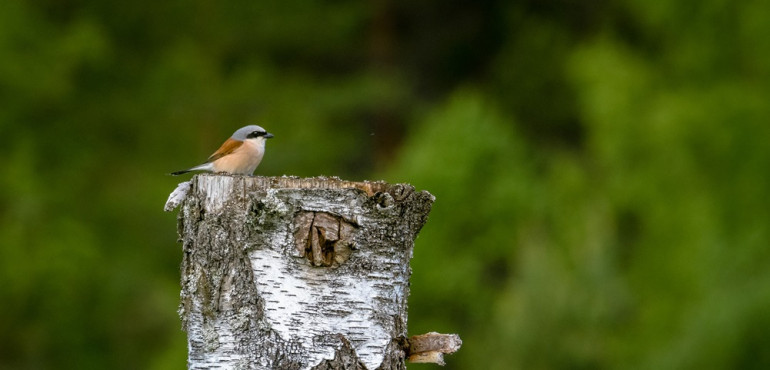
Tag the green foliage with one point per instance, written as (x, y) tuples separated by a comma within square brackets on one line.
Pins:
[(600, 171)]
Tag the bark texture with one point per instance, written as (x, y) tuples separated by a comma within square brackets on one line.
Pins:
[(297, 273)]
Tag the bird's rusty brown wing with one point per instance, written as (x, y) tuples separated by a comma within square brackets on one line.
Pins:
[(229, 146)]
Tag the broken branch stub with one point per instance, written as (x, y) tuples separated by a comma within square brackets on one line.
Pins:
[(292, 273), (431, 347)]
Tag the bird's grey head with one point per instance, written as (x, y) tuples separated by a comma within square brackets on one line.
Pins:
[(250, 132)]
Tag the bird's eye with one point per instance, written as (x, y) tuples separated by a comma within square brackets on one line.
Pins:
[(256, 134)]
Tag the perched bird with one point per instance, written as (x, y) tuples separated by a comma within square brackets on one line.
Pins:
[(240, 154)]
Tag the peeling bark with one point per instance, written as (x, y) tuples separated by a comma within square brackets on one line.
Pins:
[(291, 273)]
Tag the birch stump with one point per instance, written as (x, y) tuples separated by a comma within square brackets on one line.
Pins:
[(293, 273)]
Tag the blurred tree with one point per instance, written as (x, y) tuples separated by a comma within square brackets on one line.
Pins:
[(643, 245)]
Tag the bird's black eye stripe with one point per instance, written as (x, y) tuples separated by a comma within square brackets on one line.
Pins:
[(256, 134)]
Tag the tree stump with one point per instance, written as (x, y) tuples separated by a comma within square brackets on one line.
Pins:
[(297, 273)]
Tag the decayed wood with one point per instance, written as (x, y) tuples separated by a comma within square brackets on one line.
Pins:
[(296, 273)]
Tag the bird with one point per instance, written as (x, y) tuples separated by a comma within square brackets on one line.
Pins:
[(240, 154)]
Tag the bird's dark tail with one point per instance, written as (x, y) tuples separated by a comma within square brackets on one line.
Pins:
[(177, 173)]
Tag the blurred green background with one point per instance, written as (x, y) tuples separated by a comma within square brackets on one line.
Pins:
[(600, 167)]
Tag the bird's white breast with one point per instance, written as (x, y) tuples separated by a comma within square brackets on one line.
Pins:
[(243, 160)]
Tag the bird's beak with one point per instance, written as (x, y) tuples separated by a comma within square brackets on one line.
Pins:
[(268, 135)]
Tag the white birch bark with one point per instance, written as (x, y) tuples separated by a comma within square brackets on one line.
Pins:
[(290, 273)]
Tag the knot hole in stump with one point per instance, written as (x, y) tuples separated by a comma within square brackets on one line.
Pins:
[(325, 239)]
